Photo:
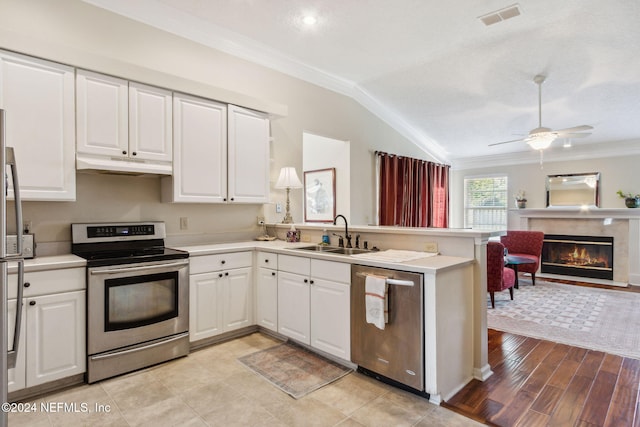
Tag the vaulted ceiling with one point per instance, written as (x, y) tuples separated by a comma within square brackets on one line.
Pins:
[(434, 71)]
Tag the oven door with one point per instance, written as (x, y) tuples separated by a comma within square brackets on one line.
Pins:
[(134, 303)]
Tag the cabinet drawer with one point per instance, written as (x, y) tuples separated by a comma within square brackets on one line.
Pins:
[(49, 282), (267, 260), (330, 270), (206, 263), (294, 264)]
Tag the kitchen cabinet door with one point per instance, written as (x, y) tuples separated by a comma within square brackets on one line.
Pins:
[(293, 306), (103, 114), (248, 157), (330, 317), (205, 314), (199, 152), (56, 337), (237, 305), (150, 115), (38, 99), (267, 298)]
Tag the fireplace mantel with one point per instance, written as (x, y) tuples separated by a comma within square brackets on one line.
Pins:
[(593, 221), (624, 213)]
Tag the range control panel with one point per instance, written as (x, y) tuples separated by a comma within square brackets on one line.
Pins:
[(120, 230), (117, 231)]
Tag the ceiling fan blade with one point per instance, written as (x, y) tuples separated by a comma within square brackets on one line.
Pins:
[(574, 129), (505, 142), (573, 135)]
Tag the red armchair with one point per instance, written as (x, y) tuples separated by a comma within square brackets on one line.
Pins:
[(499, 277), (527, 244)]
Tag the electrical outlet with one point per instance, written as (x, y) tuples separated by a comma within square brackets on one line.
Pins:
[(431, 247), (184, 223), (306, 239), (27, 226), (278, 207), (260, 220)]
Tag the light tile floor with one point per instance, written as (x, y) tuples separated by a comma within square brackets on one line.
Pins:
[(211, 388)]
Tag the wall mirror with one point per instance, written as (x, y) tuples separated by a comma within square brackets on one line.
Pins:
[(576, 189)]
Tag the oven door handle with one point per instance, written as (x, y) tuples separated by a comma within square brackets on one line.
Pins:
[(142, 268)]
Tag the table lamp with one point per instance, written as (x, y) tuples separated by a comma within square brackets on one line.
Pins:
[(288, 179)]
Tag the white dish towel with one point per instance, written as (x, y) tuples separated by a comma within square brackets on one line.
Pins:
[(375, 299)]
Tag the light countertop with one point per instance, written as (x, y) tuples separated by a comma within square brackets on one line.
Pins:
[(429, 264)]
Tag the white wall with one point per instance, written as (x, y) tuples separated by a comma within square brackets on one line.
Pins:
[(617, 173), (78, 34), (319, 152)]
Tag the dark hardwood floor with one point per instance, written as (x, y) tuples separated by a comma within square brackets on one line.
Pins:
[(541, 383)]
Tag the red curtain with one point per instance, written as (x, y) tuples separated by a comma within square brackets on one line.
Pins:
[(413, 192)]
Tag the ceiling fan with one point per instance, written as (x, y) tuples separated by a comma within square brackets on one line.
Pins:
[(541, 137)]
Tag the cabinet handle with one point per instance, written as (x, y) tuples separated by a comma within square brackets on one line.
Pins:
[(273, 273), (222, 262), (124, 152), (311, 281), (32, 303), (266, 260), (26, 284), (232, 199), (219, 274), (224, 200), (134, 153), (306, 281), (226, 274)]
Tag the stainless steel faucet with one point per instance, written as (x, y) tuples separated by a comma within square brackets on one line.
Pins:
[(346, 229)]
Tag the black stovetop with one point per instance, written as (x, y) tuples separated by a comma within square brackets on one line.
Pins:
[(114, 253)]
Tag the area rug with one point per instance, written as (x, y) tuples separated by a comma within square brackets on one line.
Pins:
[(592, 318), (293, 369)]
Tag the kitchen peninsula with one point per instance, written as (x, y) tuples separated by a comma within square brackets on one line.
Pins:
[(454, 283)]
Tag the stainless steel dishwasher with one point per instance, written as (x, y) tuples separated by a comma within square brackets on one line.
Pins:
[(395, 354)]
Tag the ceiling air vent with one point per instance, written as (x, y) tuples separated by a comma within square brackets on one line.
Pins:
[(500, 15)]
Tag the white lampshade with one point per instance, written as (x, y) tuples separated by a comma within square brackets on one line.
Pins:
[(541, 141), (288, 178)]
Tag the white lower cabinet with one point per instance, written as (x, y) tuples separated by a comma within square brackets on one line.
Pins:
[(267, 291), (220, 294), (330, 321), (52, 342), (314, 303), (293, 306), (55, 337)]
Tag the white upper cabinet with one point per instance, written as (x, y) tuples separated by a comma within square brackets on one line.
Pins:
[(38, 99), (220, 153), (199, 152), (102, 109), (122, 126), (150, 114), (248, 158)]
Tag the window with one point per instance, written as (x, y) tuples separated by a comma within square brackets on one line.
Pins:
[(485, 203)]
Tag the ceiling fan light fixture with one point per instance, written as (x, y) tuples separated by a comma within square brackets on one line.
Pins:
[(541, 141)]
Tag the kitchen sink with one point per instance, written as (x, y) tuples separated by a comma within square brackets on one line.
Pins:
[(332, 249), (317, 248), (349, 251)]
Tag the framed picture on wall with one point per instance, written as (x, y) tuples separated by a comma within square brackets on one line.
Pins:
[(320, 195)]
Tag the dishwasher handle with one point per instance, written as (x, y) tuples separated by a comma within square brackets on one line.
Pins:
[(392, 281), (399, 282)]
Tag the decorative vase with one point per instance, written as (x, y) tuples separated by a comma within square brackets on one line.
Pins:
[(632, 202), (521, 204)]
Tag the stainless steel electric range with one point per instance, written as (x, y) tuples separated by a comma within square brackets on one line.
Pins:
[(137, 296)]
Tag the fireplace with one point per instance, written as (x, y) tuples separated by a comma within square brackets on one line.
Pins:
[(582, 256)]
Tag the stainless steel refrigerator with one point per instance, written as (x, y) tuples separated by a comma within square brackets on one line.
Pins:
[(9, 351)]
